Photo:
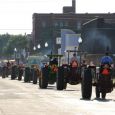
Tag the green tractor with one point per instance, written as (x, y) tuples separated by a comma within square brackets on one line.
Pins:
[(49, 71)]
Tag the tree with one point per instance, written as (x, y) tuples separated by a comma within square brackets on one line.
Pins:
[(9, 42)]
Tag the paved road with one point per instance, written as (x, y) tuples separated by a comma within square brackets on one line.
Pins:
[(18, 98)]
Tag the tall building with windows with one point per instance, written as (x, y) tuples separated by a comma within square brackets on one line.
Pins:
[(47, 27)]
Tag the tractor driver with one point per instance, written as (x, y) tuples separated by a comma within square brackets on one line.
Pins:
[(105, 84), (106, 64), (54, 61), (74, 61), (106, 60)]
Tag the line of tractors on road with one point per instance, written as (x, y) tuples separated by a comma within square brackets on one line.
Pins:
[(63, 74)]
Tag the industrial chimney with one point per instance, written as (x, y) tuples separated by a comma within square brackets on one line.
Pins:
[(70, 9), (74, 5)]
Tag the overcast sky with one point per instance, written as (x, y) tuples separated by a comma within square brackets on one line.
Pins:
[(16, 15)]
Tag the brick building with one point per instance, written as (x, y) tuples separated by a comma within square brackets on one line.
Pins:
[(47, 27)]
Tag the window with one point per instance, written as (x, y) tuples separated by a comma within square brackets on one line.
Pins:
[(43, 24), (66, 24), (78, 25), (61, 24), (55, 24)]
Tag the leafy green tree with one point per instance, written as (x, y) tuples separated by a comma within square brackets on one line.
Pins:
[(9, 42)]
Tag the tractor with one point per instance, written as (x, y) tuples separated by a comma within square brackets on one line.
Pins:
[(32, 69), (68, 73), (49, 71), (101, 77)]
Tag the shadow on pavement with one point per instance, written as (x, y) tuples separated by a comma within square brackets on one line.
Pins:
[(85, 99), (71, 90), (102, 100)]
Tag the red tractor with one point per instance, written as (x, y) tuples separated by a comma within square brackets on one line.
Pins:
[(68, 73)]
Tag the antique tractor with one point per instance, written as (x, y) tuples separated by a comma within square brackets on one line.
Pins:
[(68, 73), (32, 69), (104, 81), (100, 77), (59, 73), (49, 71)]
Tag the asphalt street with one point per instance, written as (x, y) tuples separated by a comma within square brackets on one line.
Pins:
[(19, 98)]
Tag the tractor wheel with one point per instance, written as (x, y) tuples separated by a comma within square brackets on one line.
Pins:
[(44, 78), (19, 78), (20, 75), (3, 74), (86, 84), (35, 77), (60, 79), (65, 85), (40, 82), (97, 91), (27, 74)]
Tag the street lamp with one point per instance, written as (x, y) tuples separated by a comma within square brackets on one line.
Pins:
[(39, 46), (34, 48), (15, 50), (46, 44), (80, 41)]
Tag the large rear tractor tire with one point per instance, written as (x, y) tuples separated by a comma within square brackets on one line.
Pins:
[(27, 74), (44, 78), (86, 84), (60, 79), (35, 77)]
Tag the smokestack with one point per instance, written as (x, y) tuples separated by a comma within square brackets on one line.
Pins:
[(70, 9), (74, 5)]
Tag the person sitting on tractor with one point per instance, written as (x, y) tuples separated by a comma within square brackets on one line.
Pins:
[(106, 64), (74, 61), (54, 61), (54, 65), (84, 63), (106, 59), (105, 84)]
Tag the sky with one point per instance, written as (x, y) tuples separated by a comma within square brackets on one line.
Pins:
[(16, 15)]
